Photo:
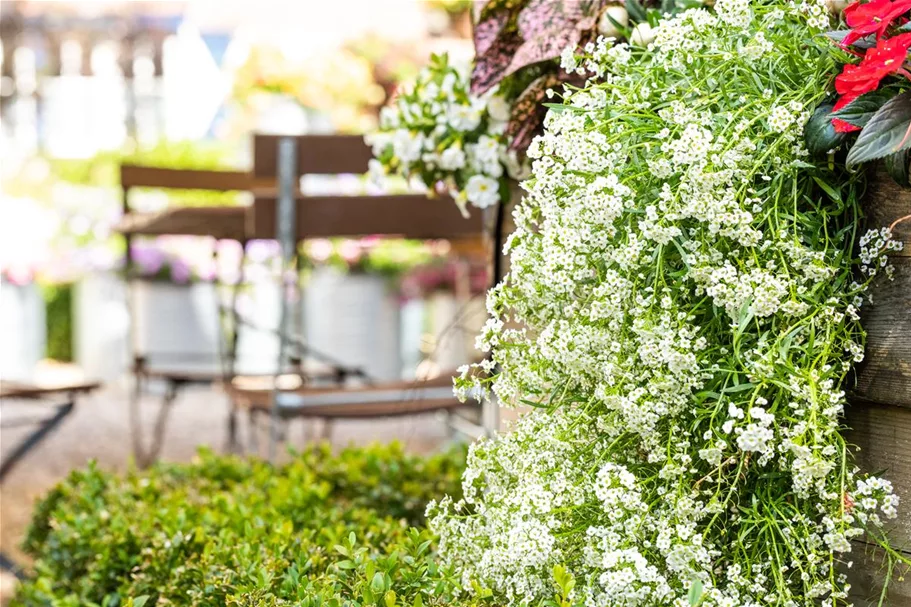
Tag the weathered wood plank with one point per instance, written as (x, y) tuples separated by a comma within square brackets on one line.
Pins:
[(883, 435), (867, 576), (885, 202), (885, 375)]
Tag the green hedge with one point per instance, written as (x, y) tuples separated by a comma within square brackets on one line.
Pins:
[(323, 530), (58, 305)]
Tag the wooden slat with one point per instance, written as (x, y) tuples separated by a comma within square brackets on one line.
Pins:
[(385, 400), (885, 375), (883, 435), (407, 216), (867, 575), (14, 389), (316, 154), (885, 202), (183, 179), (217, 222)]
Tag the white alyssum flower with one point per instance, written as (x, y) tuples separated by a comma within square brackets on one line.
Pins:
[(482, 191), (681, 309), (451, 140)]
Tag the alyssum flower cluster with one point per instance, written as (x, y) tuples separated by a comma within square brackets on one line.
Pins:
[(681, 313), (448, 139)]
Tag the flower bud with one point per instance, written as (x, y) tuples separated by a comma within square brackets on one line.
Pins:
[(612, 19), (642, 35)]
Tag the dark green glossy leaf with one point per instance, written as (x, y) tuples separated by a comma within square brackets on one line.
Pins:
[(861, 110), (819, 134), (897, 167), (887, 132)]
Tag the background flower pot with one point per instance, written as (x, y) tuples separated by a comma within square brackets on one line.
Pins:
[(101, 326), (259, 307), (22, 325), (177, 326), (453, 327), (355, 318)]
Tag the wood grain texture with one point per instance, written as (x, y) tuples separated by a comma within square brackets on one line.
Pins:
[(883, 435), (134, 176), (885, 375), (316, 154), (404, 215), (884, 202)]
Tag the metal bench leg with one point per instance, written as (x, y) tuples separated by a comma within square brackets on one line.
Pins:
[(30, 441), (144, 458), (135, 421), (161, 423), (233, 440), (7, 564), (254, 432), (326, 435)]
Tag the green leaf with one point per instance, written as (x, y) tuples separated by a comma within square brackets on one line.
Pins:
[(418, 601), (139, 601), (636, 10), (739, 388), (389, 598), (861, 110), (887, 132), (897, 166), (819, 134), (695, 595), (378, 583), (828, 189)]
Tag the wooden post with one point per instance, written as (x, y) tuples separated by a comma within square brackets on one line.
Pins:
[(879, 412)]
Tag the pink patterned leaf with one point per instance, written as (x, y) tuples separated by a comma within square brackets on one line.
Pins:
[(486, 31), (545, 17), (491, 67), (542, 48), (549, 26)]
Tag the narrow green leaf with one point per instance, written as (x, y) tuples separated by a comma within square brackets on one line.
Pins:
[(636, 10), (739, 388), (695, 595), (828, 189), (887, 132)]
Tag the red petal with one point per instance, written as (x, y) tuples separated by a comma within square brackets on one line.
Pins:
[(844, 127)]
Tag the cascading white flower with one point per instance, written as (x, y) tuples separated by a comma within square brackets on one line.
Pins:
[(681, 312), (440, 134)]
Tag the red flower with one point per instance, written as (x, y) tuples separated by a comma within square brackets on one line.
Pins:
[(842, 126), (874, 16), (886, 58)]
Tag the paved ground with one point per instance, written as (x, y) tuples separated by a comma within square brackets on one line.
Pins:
[(99, 429)]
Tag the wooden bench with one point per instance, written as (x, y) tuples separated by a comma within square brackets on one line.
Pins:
[(275, 178)]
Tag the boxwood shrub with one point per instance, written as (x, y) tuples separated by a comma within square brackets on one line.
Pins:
[(323, 530)]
